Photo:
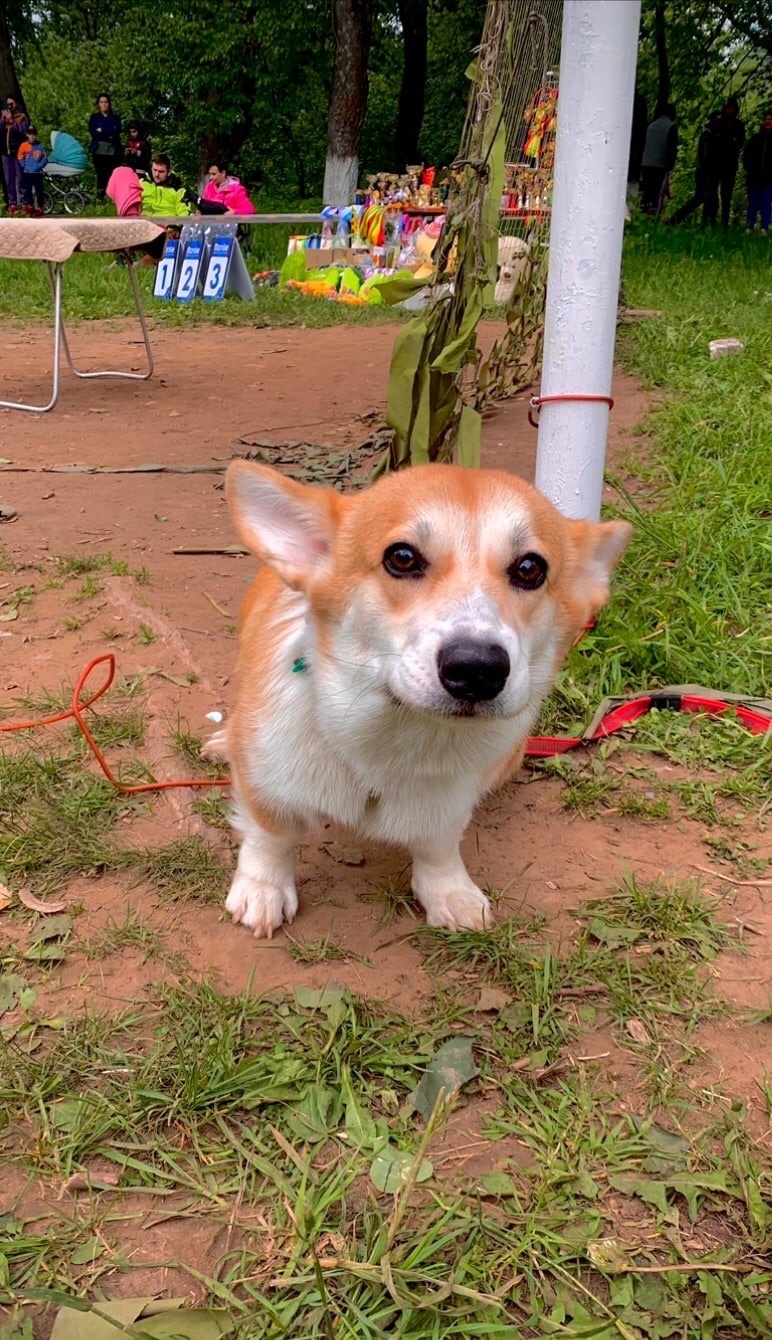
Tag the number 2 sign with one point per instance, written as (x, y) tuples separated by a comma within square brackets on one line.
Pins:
[(187, 283), (217, 270)]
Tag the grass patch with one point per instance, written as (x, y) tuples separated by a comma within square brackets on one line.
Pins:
[(277, 1108), (55, 819), (189, 747), (642, 953), (133, 933), (98, 292), (312, 952), (395, 897), (117, 729), (186, 870), (214, 809), (666, 917), (82, 565), (730, 768)]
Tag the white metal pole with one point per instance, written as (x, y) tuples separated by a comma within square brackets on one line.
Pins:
[(595, 109)]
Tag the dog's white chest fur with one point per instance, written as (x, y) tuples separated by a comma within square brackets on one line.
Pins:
[(331, 746)]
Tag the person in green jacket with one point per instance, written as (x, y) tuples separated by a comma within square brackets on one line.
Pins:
[(164, 195)]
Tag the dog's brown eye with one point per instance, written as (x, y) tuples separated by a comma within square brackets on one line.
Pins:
[(402, 560), (529, 572)]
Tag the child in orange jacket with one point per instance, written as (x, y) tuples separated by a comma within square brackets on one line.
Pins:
[(33, 159)]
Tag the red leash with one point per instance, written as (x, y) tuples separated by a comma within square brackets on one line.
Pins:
[(613, 715), (616, 713)]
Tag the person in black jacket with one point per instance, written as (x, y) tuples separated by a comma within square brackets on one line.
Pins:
[(13, 134), (757, 161), (136, 150), (104, 127), (660, 149), (732, 135), (706, 175)]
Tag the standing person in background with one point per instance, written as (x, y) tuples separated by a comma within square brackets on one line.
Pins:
[(13, 134), (136, 150), (104, 127), (732, 133), (33, 158), (659, 155), (637, 142), (706, 175), (757, 161)]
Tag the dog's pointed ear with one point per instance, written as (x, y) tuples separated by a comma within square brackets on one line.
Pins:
[(289, 526), (598, 547)]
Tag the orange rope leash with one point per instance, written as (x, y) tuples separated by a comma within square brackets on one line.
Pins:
[(75, 713)]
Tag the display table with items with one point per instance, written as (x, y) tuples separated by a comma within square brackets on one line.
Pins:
[(53, 242)]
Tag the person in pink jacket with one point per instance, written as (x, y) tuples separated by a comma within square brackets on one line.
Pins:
[(223, 189)]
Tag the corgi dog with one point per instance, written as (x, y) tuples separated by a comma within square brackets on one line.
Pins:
[(395, 648)]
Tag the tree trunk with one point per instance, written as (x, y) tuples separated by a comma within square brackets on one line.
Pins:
[(9, 80), (413, 16), (663, 64), (348, 100), (214, 145)]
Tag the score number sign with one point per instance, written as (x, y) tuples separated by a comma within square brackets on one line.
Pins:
[(218, 268), (187, 284), (164, 275)]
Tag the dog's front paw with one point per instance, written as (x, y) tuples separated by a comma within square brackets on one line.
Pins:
[(458, 909), (260, 905)]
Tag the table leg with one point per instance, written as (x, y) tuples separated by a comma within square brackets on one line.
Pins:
[(55, 277), (131, 376)]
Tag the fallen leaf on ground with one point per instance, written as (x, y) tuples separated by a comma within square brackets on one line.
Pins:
[(83, 1181), (491, 999), (638, 1032), (37, 904), (448, 1070)]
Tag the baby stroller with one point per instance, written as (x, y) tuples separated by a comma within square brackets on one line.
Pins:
[(66, 163)]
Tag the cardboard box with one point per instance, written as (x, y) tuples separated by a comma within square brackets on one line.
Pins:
[(316, 257)]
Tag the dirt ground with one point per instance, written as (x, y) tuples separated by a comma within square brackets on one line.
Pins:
[(212, 387)]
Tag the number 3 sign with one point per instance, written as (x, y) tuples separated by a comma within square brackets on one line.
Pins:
[(217, 271)]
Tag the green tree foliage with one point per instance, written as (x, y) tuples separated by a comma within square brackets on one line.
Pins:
[(714, 48), (250, 79)]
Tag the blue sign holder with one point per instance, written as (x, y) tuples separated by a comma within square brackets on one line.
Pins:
[(218, 269), (166, 273), (236, 276), (190, 270)]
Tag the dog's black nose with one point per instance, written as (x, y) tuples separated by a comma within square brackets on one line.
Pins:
[(473, 672)]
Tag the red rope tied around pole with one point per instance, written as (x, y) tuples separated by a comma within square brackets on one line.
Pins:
[(536, 401)]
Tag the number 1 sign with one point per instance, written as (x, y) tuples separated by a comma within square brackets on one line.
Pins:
[(218, 268), (164, 275)]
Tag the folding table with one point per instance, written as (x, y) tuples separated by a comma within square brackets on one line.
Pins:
[(54, 241)]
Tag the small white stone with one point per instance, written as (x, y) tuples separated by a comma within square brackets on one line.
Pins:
[(722, 348)]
